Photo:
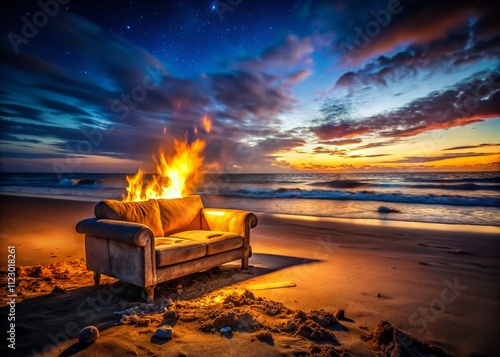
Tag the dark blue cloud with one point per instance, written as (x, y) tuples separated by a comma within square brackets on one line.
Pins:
[(124, 107)]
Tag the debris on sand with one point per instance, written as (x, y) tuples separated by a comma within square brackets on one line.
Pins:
[(397, 343)]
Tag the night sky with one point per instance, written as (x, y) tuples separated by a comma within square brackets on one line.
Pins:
[(315, 86)]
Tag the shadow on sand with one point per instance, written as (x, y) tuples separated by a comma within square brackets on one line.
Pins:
[(45, 322)]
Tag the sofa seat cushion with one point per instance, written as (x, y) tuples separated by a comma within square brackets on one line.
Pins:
[(171, 251), (216, 241)]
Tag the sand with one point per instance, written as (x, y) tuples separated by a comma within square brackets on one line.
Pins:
[(435, 285)]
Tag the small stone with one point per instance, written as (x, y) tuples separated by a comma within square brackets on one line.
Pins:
[(58, 290), (339, 314), (226, 329), (134, 319), (88, 335), (170, 315), (164, 333)]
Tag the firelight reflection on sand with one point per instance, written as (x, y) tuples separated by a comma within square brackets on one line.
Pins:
[(176, 175)]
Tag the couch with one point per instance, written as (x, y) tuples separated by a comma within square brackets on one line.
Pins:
[(149, 242)]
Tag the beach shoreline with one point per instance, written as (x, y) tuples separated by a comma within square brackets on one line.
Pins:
[(362, 221), (395, 272)]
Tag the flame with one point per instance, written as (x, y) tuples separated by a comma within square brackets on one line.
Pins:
[(177, 175), (207, 124)]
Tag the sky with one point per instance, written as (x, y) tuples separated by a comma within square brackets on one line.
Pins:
[(290, 86)]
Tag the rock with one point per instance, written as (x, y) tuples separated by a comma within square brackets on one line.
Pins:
[(170, 315), (384, 209), (58, 290), (226, 329), (339, 314), (88, 335), (164, 333)]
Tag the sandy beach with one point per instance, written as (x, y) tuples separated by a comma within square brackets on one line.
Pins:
[(435, 283)]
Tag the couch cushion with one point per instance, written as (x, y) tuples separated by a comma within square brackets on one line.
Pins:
[(180, 214), (171, 251), (216, 241), (145, 212)]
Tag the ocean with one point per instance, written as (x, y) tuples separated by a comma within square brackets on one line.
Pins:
[(455, 198)]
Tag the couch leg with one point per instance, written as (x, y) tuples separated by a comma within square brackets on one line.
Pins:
[(244, 263), (148, 294), (97, 278)]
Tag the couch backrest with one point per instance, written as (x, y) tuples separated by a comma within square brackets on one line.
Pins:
[(145, 212), (180, 214)]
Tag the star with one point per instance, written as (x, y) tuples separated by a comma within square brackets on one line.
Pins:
[(128, 27)]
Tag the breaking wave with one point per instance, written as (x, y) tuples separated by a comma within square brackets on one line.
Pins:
[(455, 200)]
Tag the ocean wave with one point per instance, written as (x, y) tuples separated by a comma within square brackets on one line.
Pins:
[(340, 184), (495, 179), (455, 200), (77, 182), (459, 187)]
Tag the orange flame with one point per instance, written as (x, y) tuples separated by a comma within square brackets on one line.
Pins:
[(177, 175), (207, 124)]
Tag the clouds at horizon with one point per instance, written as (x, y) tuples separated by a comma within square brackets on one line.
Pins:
[(470, 101)]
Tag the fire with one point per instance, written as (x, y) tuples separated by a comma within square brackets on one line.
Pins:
[(207, 124), (176, 175)]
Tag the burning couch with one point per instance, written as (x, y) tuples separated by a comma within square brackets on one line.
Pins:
[(149, 242)]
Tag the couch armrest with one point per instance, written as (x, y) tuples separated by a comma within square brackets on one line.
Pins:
[(122, 231), (228, 220)]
